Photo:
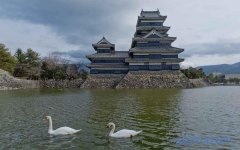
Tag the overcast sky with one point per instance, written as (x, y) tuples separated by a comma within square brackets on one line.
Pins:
[(208, 30)]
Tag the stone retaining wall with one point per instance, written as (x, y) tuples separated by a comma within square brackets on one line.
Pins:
[(199, 82), (102, 81), (154, 79), (7, 82), (61, 84), (133, 79)]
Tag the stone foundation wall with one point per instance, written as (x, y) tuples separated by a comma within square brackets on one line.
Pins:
[(155, 79), (102, 81), (8, 82), (199, 82), (133, 79), (61, 84)]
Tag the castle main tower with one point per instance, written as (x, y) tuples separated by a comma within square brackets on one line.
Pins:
[(151, 46)]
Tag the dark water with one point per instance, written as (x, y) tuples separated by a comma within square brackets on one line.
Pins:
[(204, 118)]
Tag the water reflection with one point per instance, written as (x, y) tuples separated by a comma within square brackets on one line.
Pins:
[(153, 111)]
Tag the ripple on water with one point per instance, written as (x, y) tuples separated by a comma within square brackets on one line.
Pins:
[(163, 115)]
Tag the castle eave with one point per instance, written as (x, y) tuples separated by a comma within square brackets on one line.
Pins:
[(163, 28), (108, 65), (109, 68), (152, 18), (138, 39), (157, 50), (147, 60), (103, 45), (116, 54)]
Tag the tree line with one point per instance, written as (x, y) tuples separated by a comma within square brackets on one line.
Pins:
[(222, 79), (29, 65), (194, 73)]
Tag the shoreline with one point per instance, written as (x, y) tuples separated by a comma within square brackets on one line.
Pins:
[(134, 80)]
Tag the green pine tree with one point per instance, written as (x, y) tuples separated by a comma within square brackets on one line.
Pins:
[(7, 61)]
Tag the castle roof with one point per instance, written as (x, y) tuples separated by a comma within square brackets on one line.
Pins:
[(107, 66), (157, 50), (103, 43), (143, 60), (164, 38), (153, 32), (115, 54), (150, 13), (152, 27)]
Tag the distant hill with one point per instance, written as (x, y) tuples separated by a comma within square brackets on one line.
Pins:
[(223, 68)]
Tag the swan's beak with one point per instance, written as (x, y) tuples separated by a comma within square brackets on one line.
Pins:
[(107, 126)]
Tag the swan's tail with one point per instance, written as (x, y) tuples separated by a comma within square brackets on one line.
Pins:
[(139, 132)]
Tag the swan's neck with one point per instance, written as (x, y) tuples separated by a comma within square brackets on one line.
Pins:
[(50, 129), (112, 130)]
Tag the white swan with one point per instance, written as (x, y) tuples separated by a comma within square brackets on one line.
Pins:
[(59, 131), (124, 133)]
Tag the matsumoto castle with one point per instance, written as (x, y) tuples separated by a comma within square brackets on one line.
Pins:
[(151, 49)]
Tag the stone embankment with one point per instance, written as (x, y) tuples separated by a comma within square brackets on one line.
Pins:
[(102, 81), (133, 79), (199, 83), (155, 79), (61, 83), (7, 82)]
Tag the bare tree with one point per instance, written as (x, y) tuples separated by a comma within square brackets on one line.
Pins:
[(56, 65)]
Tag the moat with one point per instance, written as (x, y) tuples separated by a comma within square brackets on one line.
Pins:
[(164, 115)]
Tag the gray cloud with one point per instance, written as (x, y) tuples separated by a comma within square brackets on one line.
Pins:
[(75, 56), (79, 23), (82, 22), (213, 48), (72, 53)]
